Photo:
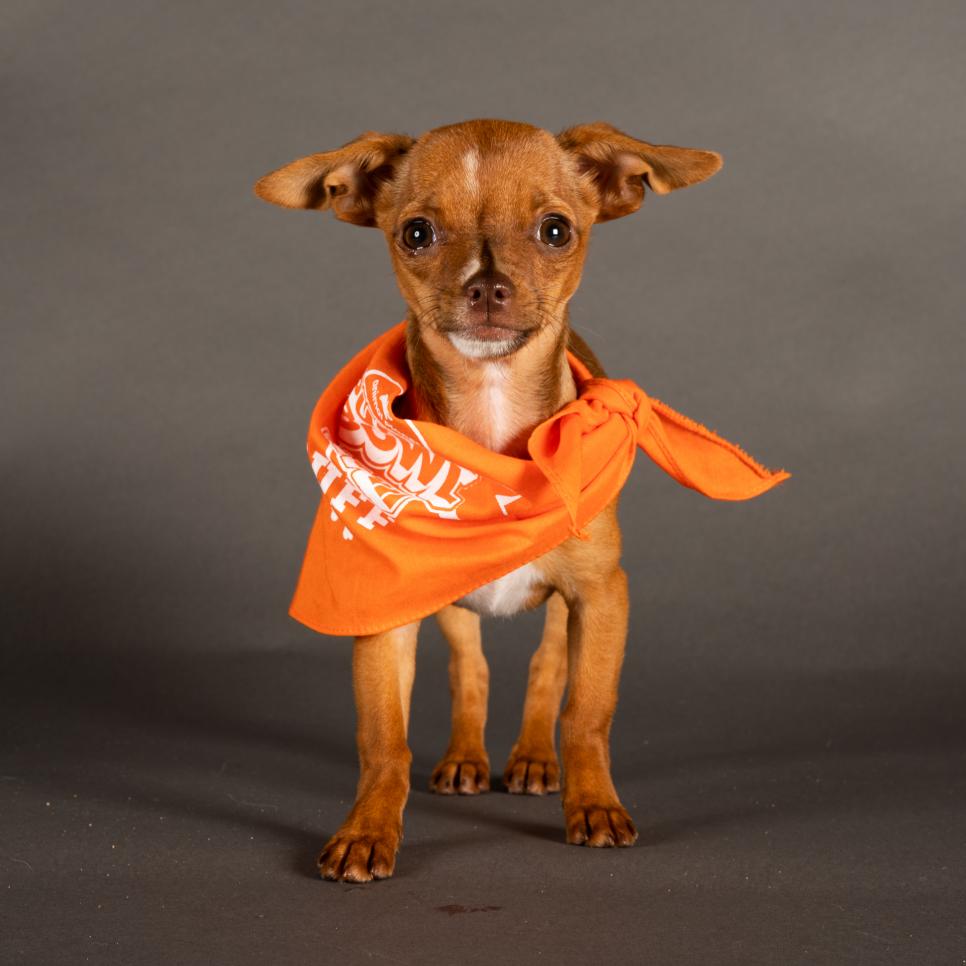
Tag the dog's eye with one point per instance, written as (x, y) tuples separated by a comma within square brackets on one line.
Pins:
[(417, 234), (554, 231)]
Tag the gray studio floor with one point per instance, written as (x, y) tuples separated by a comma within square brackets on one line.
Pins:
[(167, 811)]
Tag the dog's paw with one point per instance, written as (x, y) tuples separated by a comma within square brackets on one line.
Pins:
[(461, 775), (355, 857), (532, 774), (600, 826)]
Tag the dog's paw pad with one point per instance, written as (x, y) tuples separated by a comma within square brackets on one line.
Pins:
[(351, 857), (456, 775), (599, 826), (532, 775)]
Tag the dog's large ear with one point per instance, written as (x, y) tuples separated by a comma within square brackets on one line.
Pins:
[(620, 166), (345, 180)]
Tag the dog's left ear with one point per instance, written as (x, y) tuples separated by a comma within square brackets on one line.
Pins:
[(346, 180), (620, 166)]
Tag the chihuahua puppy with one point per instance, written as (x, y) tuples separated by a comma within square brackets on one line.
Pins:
[(488, 223)]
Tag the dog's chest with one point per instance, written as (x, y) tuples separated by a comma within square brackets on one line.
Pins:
[(505, 596), (493, 422), (488, 412)]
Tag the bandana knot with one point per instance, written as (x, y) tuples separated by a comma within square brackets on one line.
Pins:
[(600, 400)]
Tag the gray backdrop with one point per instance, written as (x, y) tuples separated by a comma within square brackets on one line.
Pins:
[(791, 731)]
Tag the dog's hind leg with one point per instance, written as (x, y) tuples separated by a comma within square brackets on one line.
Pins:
[(532, 767), (465, 768), (364, 848)]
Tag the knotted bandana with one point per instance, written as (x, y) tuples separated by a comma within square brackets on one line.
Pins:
[(414, 515)]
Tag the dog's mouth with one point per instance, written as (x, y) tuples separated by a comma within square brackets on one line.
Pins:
[(488, 340), (492, 331), (489, 337)]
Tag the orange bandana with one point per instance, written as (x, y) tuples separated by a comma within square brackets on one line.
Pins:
[(415, 515)]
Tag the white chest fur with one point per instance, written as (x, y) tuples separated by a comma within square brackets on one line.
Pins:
[(504, 596), (497, 406), (487, 414)]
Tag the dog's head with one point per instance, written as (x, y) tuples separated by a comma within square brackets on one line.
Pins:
[(487, 221)]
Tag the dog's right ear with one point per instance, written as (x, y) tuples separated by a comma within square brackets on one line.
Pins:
[(346, 180)]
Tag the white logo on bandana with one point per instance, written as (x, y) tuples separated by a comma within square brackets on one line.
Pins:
[(381, 464)]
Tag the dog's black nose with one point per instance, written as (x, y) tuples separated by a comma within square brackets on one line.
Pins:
[(490, 292)]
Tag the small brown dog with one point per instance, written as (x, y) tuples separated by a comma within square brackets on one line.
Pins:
[(488, 223)]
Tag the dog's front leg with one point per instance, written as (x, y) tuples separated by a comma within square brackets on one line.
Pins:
[(597, 629), (364, 848)]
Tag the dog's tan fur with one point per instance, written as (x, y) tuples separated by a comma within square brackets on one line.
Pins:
[(485, 185)]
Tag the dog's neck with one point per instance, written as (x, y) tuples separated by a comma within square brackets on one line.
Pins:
[(494, 402)]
